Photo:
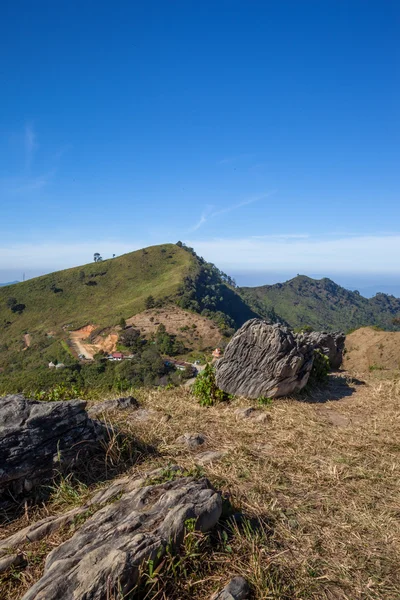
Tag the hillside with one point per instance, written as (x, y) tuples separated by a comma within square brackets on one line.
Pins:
[(42, 319), (368, 349), (322, 304)]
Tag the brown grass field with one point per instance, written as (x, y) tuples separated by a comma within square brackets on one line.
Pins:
[(317, 480)]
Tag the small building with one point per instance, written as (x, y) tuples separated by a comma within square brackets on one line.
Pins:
[(51, 365), (216, 353), (60, 366), (116, 356)]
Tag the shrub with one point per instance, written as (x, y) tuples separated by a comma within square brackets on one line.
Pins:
[(320, 369), (206, 390)]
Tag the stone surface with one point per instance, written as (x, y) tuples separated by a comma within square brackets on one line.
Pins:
[(38, 437), (264, 360), (237, 589), (330, 344), (103, 558), (245, 413), (192, 440), (128, 403), (209, 456)]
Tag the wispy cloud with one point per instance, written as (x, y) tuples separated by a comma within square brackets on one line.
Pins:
[(310, 254), (33, 183), (210, 211), (281, 236), (30, 145), (55, 255)]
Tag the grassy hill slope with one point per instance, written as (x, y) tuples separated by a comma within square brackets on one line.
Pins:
[(321, 304), (99, 293), (38, 315)]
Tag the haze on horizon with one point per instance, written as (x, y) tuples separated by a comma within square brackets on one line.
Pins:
[(263, 134)]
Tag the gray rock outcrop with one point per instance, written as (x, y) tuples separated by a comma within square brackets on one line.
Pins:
[(103, 559), (330, 344), (128, 403), (38, 437), (236, 589), (264, 360)]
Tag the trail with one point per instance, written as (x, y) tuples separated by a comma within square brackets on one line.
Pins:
[(81, 347)]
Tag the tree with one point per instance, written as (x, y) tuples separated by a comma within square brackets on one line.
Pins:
[(122, 323), (97, 257), (18, 308), (149, 302), (130, 338)]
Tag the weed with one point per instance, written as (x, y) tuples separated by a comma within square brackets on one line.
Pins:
[(206, 390), (265, 401)]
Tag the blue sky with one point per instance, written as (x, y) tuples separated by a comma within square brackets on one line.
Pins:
[(263, 133)]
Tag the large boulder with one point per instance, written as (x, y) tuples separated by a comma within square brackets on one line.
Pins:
[(103, 559), (264, 360), (38, 437), (330, 344)]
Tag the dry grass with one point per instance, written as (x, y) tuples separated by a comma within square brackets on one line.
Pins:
[(319, 480)]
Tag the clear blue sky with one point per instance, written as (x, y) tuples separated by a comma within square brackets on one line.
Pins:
[(263, 133)]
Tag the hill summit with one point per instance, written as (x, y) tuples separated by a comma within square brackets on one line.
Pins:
[(322, 304)]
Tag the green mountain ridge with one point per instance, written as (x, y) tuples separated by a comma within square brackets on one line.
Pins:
[(37, 316), (322, 304)]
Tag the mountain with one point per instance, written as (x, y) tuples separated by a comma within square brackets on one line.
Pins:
[(9, 283), (52, 315), (321, 304)]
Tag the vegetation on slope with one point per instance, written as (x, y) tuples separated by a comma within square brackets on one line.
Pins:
[(322, 304), (313, 486), (37, 316)]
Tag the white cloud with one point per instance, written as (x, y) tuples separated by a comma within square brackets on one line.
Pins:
[(30, 144), (357, 254), (51, 256), (210, 213)]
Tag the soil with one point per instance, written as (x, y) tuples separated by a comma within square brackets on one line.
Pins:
[(369, 349), (201, 333), (79, 345)]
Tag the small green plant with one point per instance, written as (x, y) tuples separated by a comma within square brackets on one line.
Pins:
[(372, 368), (206, 390), (320, 370), (265, 401), (59, 392), (171, 472)]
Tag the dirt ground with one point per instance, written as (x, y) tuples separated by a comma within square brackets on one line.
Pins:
[(199, 332), (369, 349)]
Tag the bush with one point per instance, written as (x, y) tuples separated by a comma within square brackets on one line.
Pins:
[(206, 390), (320, 370)]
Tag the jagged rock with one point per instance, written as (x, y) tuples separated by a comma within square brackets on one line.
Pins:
[(115, 404), (264, 360), (192, 440), (330, 344), (103, 558), (237, 589), (38, 437)]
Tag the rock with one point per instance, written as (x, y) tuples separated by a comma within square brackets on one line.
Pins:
[(209, 456), (245, 413), (237, 589), (38, 437), (114, 404), (192, 440), (330, 344), (264, 360), (102, 560), (11, 560)]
